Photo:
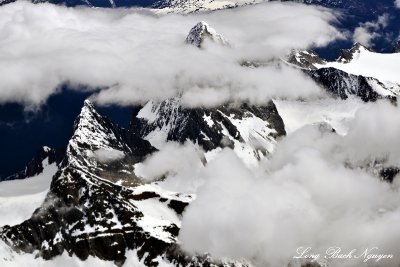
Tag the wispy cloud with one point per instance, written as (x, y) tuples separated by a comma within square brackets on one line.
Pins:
[(368, 31)]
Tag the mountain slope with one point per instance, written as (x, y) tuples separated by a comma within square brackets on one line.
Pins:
[(45, 156), (353, 73), (361, 61), (19, 198), (251, 131)]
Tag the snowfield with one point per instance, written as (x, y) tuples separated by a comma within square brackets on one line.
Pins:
[(384, 67), (20, 198)]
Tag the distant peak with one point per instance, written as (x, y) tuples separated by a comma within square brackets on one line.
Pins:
[(201, 31), (46, 149), (88, 107), (202, 24), (357, 46), (87, 116), (348, 55), (88, 103), (305, 59)]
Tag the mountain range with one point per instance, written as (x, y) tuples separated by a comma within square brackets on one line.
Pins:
[(99, 204)]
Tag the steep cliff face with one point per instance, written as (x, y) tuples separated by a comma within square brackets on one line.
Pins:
[(249, 130), (342, 84)]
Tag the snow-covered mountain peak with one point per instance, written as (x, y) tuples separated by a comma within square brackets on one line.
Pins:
[(347, 55), (103, 148), (305, 59), (201, 31), (93, 131), (87, 116)]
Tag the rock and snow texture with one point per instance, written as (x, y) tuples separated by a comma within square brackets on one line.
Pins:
[(99, 208), (200, 32), (86, 211), (44, 156), (358, 71), (19, 198), (249, 130), (190, 6), (363, 62), (160, 6)]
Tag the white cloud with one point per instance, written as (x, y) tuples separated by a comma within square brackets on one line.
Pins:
[(397, 3), (135, 55), (178, 164), (368, 31), (108, 155), (310, 193), (364, 36)]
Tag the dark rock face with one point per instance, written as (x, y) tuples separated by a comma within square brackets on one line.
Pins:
[(305, 59), (209, 127), (388, 174), (35, 166), (339, 83), (85, 216), (342, 84), (346, 55)]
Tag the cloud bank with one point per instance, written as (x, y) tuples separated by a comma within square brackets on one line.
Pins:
[(318, 190), (134, 55)]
